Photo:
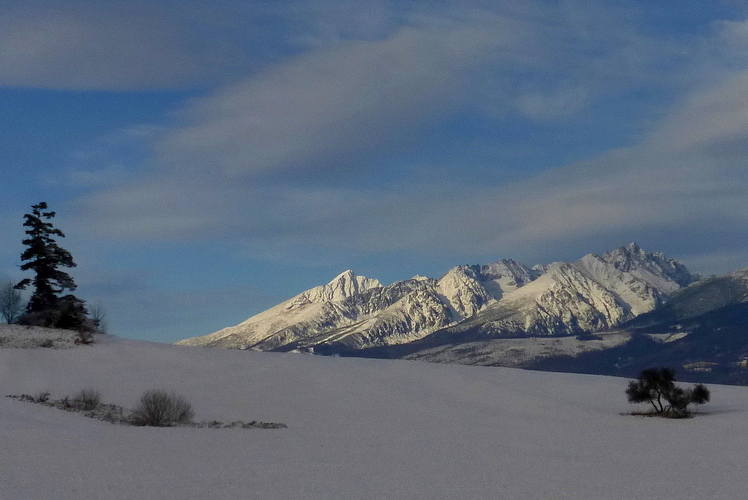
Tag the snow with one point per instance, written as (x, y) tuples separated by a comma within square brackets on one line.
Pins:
[(22, 337), (358, 429), (631, 288), (519, 351)]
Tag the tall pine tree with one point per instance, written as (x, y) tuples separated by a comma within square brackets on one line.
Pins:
[(44, 257)]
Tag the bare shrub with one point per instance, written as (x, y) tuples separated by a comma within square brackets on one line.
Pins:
[(157, 408), (86, 400), (46, 343), (97, 313), (40, 397), (160, 409), (84, 337)]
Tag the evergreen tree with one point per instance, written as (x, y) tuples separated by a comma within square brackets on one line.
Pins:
[(44, 257)]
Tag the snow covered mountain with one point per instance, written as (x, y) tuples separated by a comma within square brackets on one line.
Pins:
[(502, 299), (591, 294), (705, 296), (357, 312), (700, 331)]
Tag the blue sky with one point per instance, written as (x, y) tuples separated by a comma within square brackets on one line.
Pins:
[(208, 159)]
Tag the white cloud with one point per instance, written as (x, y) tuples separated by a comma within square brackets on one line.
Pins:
[(712, 121), (554, 104), (324, 109), (228, 171), (83, 45)]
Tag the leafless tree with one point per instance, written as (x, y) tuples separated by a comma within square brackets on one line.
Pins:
[(97, 313), (11, 302), (86, 400)]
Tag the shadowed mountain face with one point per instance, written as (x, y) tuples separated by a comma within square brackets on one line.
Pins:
[(711, 347), (505, 299), (700, 298)]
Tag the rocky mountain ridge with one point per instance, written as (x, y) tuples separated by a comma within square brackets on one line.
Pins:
[(499, 300)]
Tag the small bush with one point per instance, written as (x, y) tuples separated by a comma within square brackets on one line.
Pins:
[(84, 337), (46, 343), (41, 397), (657, 386), (86, 400), (160, 409)]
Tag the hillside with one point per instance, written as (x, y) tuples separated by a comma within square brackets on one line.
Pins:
[(357, 429), (710, 347)]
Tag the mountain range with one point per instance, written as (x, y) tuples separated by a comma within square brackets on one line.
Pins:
[(502, 299), (571, 316)]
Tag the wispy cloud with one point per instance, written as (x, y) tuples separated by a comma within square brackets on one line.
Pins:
[(92, 48), (323, 110), (277, 161), (714, 122), (357, 92)]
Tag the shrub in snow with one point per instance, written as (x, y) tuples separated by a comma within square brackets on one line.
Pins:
[(160, 408), (657, 387), (84, 337), (41, 397), (86, 400), (87, 403), (46, 343)]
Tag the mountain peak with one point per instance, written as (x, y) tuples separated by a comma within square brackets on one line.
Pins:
[(634, 247), (632, 257), (347, 275), (341, 287), (631, 251)]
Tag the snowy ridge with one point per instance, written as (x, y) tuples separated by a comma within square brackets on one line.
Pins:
[(592, 294), (359, 312), (501, 299), (314, 311)]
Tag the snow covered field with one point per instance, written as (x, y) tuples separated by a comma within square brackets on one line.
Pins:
[(516, 351), (23, 337), (357, 429)]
